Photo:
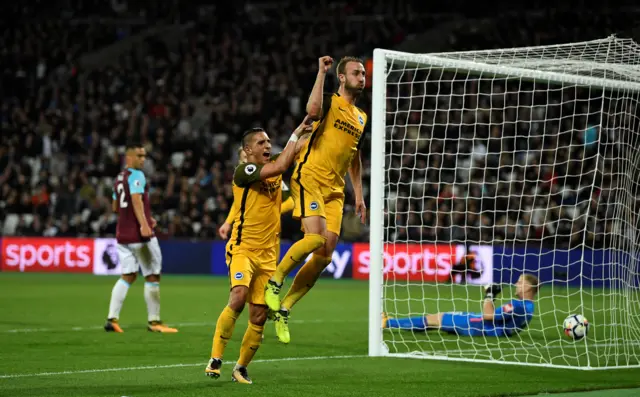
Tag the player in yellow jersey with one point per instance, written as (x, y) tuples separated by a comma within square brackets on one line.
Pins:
[(252, 249), (318, 182), (287, 200)]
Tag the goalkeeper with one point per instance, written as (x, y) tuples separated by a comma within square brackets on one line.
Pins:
[(506, 320)]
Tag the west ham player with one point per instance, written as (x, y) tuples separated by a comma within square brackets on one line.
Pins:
[(138, 248), (252, 251), (507, 320), (318, 181)]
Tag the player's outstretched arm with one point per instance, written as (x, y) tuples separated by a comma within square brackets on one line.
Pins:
[(285, 159), (315, 101), (248, 173), (489, 311)]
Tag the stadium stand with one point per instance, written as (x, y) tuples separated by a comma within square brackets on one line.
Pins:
[(236, 66)]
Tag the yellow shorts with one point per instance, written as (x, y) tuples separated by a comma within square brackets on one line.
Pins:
[(312, 199), (252, 268)]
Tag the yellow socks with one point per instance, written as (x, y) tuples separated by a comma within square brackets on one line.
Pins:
[(305, 279), (250, 343), (296, 254), (224, 330)]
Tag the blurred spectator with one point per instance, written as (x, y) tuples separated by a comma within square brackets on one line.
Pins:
[(520, 172)]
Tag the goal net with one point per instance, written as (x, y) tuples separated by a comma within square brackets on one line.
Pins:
[(490, 164)]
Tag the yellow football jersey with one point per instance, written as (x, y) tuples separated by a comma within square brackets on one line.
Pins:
[(257, 223), (334, 142)]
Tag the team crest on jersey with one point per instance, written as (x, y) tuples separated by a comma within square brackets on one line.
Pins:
[(361, 120), (313, 206), (136, 182), (250, 169), (238, 276)]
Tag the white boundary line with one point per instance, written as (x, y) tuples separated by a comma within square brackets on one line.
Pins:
[(193, 324), (100, 370)]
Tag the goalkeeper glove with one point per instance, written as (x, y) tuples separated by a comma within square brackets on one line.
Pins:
[(491, 291)]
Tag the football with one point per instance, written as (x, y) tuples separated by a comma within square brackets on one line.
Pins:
[(576, 326)]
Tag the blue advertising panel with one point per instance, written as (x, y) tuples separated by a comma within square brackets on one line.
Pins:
[(185, 257)]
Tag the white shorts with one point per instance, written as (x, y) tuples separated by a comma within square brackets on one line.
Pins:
[(145, 256)]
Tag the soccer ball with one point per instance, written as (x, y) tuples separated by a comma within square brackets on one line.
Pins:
[(576, 326)]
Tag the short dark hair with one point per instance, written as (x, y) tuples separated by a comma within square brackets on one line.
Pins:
[(133, 145), (248, 134), (342, 65)]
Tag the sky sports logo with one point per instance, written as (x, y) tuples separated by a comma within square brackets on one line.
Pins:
[(47, 255)]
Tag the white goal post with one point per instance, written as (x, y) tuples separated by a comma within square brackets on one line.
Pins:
[(526, 160)]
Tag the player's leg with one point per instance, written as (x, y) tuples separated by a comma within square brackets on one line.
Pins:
[(240, 275), (266, 261), (417, 323), (253, 335), (309, 207), (119, 292), (310, 272), (150, 258)]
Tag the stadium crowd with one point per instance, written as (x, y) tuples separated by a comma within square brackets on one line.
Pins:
[(522, 171)]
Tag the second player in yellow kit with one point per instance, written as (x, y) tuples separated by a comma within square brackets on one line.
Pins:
[(252, 251), (318, 182)]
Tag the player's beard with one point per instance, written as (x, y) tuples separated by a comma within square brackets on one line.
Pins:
[(353, 90)]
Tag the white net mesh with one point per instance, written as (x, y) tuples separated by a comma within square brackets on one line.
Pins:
[(528, 159)]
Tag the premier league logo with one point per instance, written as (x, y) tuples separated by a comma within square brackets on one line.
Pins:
[(110, 257), (105, 257)]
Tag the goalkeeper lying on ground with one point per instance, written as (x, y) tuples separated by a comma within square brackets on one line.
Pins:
[(506, 320)]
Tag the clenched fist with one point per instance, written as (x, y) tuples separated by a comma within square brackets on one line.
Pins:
[(324, 64)]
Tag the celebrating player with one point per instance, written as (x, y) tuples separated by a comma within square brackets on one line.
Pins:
[(138, 247), (253, 248), (506, 320), (287, 201), (318, 181)]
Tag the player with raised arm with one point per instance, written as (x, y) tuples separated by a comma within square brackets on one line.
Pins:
[(287, 200), (318, 182), (506, 320), (137, 247), (253, 248)]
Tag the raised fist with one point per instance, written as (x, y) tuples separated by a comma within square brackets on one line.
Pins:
[(324, 63)]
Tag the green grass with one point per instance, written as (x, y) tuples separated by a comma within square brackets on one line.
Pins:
[(52, 344)]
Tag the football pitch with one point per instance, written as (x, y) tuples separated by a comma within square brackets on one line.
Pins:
[(52, 344)]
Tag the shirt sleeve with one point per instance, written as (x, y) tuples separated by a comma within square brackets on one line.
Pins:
[(364, 133), (246, 174), (508, 311), (137, 182), (232, 212), (326, 103)]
